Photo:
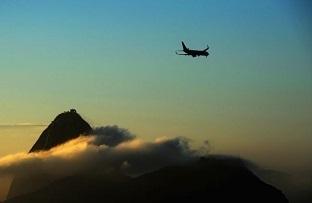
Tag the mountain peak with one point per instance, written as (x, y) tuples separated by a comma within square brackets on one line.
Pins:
[(64, 127)]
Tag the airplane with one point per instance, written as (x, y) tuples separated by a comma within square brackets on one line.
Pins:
[(194, 53)]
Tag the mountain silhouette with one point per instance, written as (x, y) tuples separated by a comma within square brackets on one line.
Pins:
[(206, 179), (210, 179), (64, 127)]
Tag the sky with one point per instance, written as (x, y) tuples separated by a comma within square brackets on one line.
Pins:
[(115, 63)]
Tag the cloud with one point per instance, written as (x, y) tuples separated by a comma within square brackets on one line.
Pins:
[(108, 149), (22, 125), (111, 135), (88, 152), (44, 161)]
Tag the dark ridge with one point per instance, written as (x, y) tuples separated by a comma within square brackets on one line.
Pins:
[(64, 127), (205, 180)]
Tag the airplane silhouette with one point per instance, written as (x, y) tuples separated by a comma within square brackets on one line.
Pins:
[(194, 53)]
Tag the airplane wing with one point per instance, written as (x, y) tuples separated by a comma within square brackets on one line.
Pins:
[(181, 54)]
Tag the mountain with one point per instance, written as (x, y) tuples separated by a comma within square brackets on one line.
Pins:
[(208, 179), (64, 127)]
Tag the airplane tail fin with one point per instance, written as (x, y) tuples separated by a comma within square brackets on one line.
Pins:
[(184, 47)]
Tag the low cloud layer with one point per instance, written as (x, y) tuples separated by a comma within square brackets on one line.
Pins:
[(108, 149), (112, 149)]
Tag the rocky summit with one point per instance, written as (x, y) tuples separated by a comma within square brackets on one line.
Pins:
[(64, 127)]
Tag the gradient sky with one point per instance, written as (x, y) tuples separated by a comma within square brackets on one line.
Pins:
[(114, 62)]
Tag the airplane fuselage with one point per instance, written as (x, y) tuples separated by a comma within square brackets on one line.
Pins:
[(196, 53), (193, 53)]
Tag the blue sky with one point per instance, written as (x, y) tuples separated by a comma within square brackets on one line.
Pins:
[(114, 62)]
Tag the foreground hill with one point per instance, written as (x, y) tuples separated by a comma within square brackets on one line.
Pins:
[(211, 179)]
